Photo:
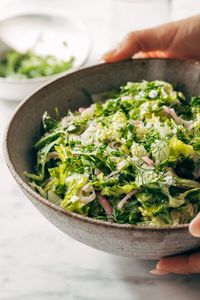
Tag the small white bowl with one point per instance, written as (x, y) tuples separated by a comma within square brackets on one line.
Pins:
[(17, 90), (22, 30)]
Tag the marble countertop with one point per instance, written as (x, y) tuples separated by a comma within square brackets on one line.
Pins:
[(38, 262)]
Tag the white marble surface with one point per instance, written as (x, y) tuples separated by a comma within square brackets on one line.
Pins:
[(38, 262)]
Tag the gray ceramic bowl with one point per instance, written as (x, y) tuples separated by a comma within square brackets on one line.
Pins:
[(72, 92)]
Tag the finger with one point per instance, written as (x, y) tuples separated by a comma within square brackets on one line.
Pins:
[(151, 54), (194, 227), (126, 49), (184, 264), (176, 264), (106, 57), (148, 40), (159, 272)]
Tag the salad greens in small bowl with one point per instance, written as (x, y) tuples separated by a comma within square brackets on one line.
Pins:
[(36, 48), (22, 72), (111, 155), (28, 65)]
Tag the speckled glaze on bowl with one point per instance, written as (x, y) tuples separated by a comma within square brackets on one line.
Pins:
[(72, 92)]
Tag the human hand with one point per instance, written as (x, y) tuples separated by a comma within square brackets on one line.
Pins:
[(183, 264), (179, 39)]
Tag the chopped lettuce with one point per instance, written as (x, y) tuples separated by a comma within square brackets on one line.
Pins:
[(134, 158), (177, 148), (18, 65)]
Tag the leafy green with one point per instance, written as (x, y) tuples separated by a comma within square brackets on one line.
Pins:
[(18, 65), (178, 148), (132, 159)]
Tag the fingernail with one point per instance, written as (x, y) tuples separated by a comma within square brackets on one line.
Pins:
[(194, 227), (159, 272)]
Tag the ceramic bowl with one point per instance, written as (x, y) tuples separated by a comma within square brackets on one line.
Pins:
[(46, 34), (72, 92)]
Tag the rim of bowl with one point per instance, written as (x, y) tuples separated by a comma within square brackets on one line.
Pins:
[(53, 76), (24, 185), (39, 79)]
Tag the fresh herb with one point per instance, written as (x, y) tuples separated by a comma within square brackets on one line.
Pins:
[(132, 159), (17, 65)]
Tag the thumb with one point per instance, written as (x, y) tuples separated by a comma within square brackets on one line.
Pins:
[(194, 227), (149, 40)]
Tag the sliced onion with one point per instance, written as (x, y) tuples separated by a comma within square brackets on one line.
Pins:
[(179, 120), (148, 161), (124, 200), (105, 204), (53, 154), (81, 109), (90, 190), (86, 110), (113, 173)]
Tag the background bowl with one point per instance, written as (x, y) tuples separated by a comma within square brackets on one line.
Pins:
[(72, 92), (45, 34)]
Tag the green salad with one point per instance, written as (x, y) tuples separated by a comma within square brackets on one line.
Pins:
[(17, 65), (134, 158)]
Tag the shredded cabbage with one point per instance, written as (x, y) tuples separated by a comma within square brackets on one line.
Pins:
[(134, 158)]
